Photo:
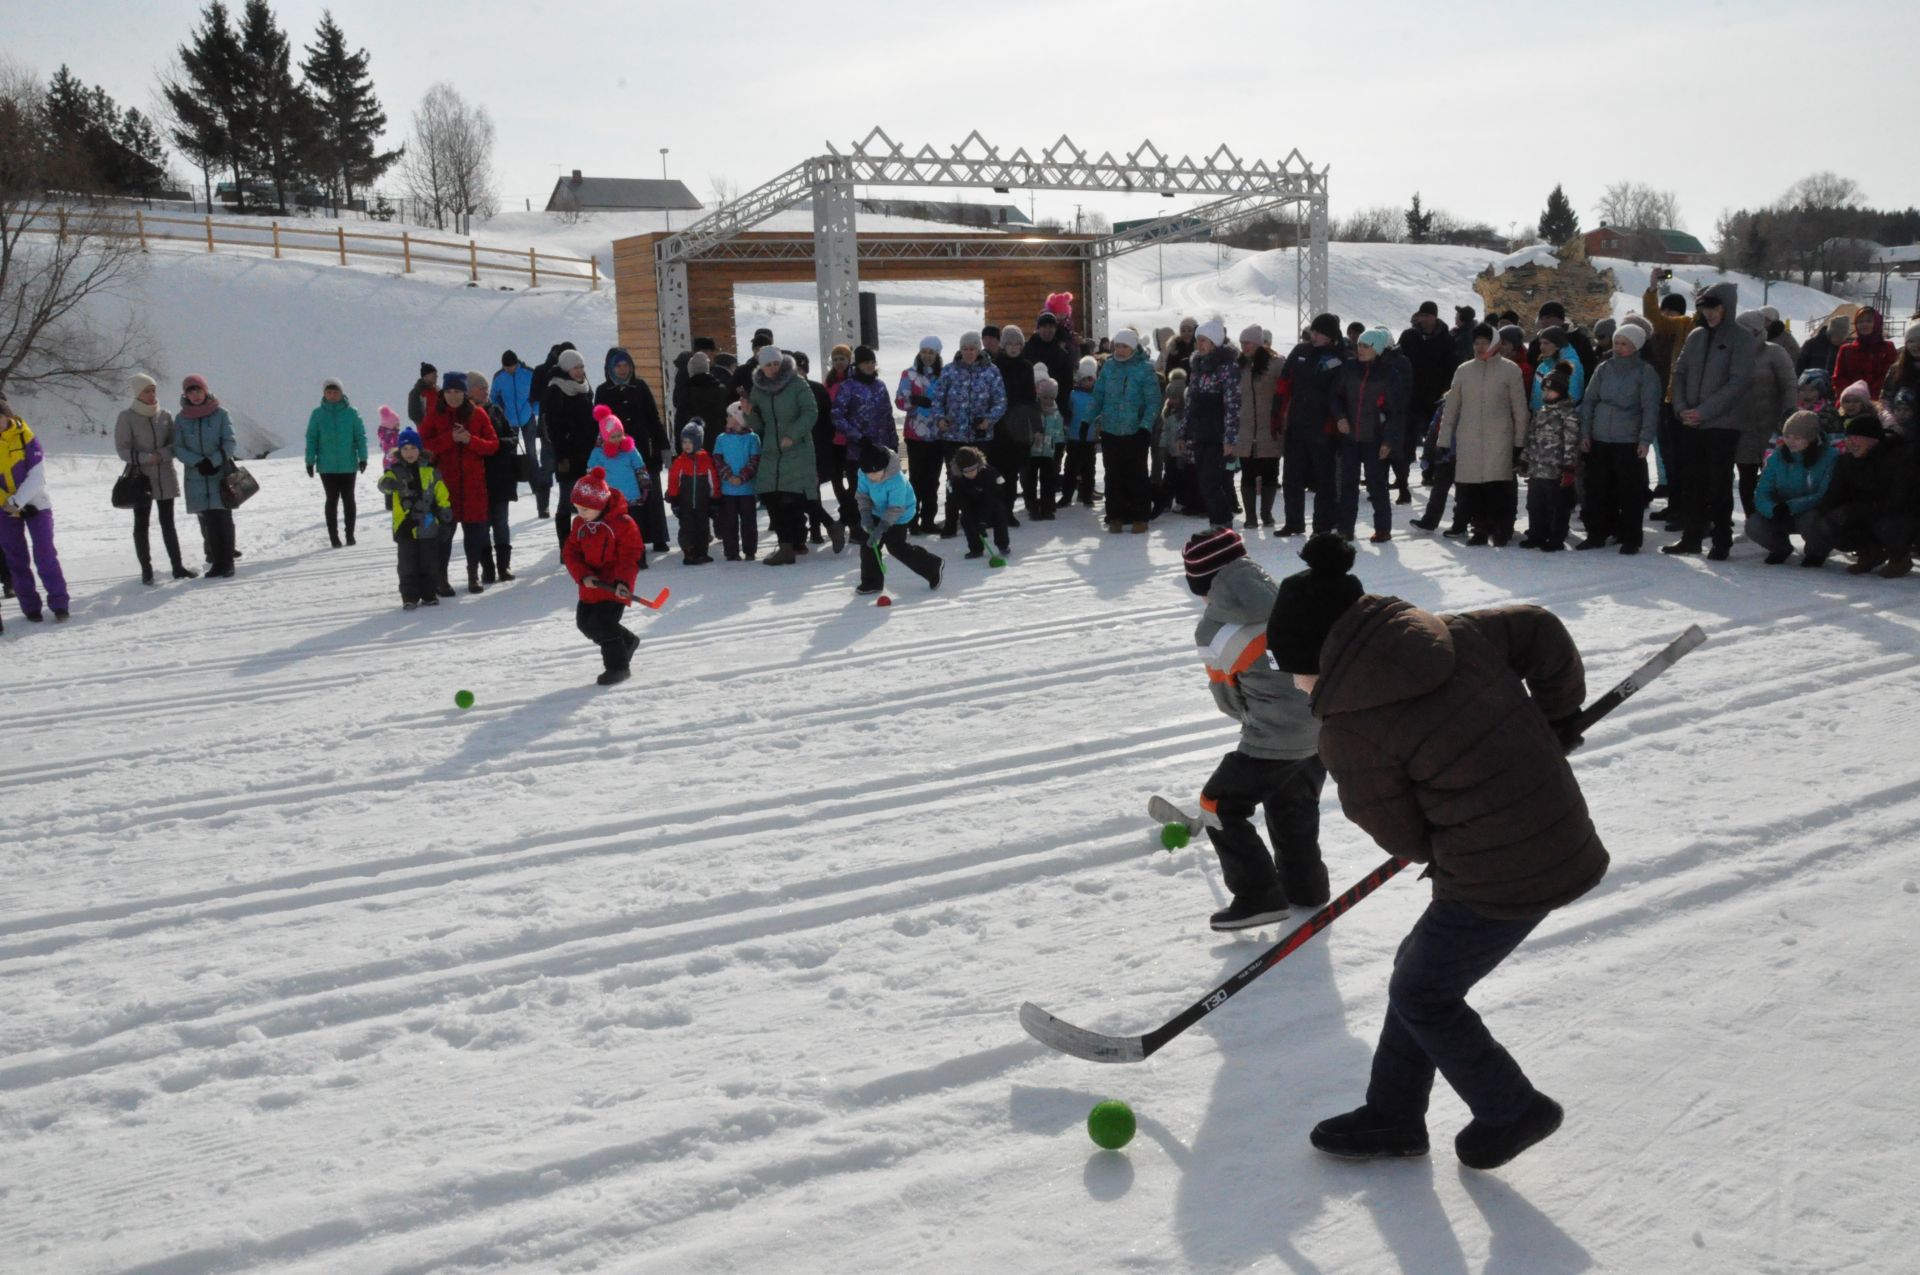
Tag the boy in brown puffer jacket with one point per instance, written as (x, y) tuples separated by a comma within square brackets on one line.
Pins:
[(1447, 737)]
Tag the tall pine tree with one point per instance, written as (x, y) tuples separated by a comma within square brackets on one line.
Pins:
[(208, 106), (282, 116), (107, 151), (349, 118), (1419, 222), (1559, 222)]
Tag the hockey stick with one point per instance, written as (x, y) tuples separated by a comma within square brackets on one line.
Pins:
[(1057, 1033)]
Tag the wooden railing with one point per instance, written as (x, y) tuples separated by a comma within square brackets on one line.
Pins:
[(335, 242)]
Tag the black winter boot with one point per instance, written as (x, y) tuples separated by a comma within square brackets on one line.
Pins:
[(505, 554), (473, 579), (1246, 914), (1365, 1134), (486, 568), (1485, 1146)]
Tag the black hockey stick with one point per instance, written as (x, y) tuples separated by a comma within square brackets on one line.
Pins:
[(1057, 1033)]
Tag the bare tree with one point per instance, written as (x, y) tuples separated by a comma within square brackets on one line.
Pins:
[(1629, 205), (1095, 222), (448, 169), (55, 259), (1382, 223), (722, 189)]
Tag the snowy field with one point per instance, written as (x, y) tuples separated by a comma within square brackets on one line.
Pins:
[(305, 970)]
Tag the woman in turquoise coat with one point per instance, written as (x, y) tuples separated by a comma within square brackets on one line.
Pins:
[(203, 444), (336, 453)]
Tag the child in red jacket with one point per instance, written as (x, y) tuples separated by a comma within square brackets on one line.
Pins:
[(602, 553), (692, 483)]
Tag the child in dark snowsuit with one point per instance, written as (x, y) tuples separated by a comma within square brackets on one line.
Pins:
[(422, 517), (690, 489), (602, 553), (973, 488)]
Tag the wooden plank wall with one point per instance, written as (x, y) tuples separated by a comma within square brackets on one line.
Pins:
[(637, 303)]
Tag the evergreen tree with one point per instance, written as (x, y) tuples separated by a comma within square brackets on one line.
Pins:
[(210, 124), (1559, 222), (282, 117), (140, 141), (107, 151), (1419, 223), (349, 118)]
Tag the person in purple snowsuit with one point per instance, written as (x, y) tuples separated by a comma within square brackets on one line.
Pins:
[(26, 518)]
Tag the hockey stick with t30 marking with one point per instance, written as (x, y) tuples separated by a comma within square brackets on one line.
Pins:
[(1057, 1033)]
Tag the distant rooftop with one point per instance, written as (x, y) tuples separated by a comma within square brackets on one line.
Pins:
[(619, 194)]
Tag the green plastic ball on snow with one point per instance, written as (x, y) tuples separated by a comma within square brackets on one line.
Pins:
[(1175, 836), (463, 699), (1110, 1124)]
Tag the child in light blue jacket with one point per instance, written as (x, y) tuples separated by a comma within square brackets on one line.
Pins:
[(736, 457)]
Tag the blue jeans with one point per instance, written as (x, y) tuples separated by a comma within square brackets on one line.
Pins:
[(1430, 1025)]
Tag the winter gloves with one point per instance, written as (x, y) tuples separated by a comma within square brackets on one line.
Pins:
[(206, 467)]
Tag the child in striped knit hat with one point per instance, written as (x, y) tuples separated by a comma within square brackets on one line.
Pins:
[(1277, 764)]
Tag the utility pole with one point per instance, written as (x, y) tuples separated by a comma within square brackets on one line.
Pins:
[(1076, 219), (663, 177)]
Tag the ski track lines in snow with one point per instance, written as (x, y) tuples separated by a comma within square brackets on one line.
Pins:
[(315, 973)]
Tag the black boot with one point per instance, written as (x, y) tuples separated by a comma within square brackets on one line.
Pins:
[(1267, 494), (486, 568), (473, 579), (146, 572), (1365, 1134), (1246, 914), (1484, 1146), (505, 554)]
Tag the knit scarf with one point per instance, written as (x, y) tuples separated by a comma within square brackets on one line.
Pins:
[(569, 386), (192, 413), (148, 410)]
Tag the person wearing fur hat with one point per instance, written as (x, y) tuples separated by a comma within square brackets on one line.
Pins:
[(736, 458), (1869, 356), (626, 470), (1485, 424), (1551, 460), (1764, 408), (203, 442), (1083, 443), (566, 417), (632, 400), (1125, 404), (1210, 425), (26, 519), (1619, 419), (337, 452), (420, 394), (1178, 352), (1868, 506), (781, 410), (1791, 487), (1276, 767), (422, 514), (1710, 381), (886, 503), (1311, 381), (143, 435), (914, 397), (603, 553), (459, 436), (1446, 736), (692, 483), (1258, 443)]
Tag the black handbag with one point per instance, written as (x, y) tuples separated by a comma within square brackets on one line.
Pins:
[(132, 488), (237, 486)]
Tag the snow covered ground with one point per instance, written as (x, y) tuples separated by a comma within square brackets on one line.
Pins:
[(306, 970)]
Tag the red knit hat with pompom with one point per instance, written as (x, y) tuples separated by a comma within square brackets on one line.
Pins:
[(592, 492)]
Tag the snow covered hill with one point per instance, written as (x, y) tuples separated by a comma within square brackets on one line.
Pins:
[(307, 970), (267, 333)]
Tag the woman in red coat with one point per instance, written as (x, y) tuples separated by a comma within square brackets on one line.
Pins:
[(460, 437), (1868, 356)]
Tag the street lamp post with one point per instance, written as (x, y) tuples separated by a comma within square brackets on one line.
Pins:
[(663, 177)]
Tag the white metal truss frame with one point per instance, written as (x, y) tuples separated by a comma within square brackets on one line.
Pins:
[(1239, 187), (797, 247)]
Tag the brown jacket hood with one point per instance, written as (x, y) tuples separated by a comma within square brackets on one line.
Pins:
[(1404, 653)]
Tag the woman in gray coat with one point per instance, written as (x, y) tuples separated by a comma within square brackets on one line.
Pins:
[(1771, 397), (143, 435), (1619, 417)]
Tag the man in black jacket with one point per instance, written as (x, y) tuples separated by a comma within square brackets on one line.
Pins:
[(631, 399), (422, 393), (1312, 378), (1431, 357), (1869, 506), (743, 374), (1055, 350)]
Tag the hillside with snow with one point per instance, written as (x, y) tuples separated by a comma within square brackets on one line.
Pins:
[(266, 333)]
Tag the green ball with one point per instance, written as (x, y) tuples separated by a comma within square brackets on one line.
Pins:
[(463, 699), (1110, 1124), (1174, 836)]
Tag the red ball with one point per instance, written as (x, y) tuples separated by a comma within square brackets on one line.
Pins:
[(883, 601)]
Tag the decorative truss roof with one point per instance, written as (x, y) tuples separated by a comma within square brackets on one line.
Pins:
[(878, 160)]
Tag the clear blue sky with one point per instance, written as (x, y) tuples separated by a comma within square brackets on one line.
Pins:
[(1480, 107)]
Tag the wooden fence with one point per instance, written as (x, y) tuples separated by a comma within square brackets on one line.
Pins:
[(335, 243)]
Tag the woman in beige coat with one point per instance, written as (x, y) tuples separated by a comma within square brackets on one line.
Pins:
[(1485, 424), (1259, 446), (143, 435), (1770, 399)]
